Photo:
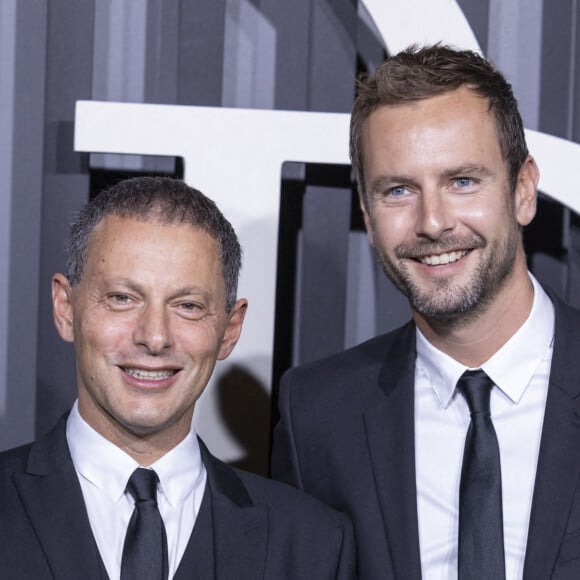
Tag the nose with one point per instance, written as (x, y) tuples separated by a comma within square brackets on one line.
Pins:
[(153, 330), (435, 216)]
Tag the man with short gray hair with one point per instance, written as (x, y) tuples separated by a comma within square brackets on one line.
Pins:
[(122, 488)]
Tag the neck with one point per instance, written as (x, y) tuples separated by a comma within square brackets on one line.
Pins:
[(144, 446), (476, 337), (147, 449)]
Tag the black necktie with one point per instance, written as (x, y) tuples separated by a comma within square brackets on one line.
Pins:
[(481, 549), (145, 549)]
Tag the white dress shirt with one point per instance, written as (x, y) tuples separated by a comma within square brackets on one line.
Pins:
[(520, 371), (103, 471)]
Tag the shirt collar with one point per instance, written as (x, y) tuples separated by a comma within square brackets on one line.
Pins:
[(510, 368), (108, 468)]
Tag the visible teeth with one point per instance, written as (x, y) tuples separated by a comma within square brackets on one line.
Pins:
[(150, 375), (446, 258)]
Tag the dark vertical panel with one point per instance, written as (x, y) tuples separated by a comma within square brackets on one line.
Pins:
[(321, 301), (56, 372), (65, 190), (161, 52), (544, 247), (25, 197), (289, 226), (575, 70), (573, 238), (315, 53), (322, 280), (558, 105), (201, 49), (392, 307), (477, 14), (370, 48), (161, 68), (573, 290), (291, 21), (316, 66), (332, 58), (555, 77)]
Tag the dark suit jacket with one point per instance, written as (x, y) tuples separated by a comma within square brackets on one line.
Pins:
[(261, 529), (346, 436)]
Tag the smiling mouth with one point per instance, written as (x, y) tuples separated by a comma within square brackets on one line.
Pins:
[(147, 375), (442, 259)]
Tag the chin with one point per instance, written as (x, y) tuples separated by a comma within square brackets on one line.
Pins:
[(145, 423)]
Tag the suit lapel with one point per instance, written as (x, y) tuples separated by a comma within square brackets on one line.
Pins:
[(390, 428), (559, 459), (52, 498), (240, 527)]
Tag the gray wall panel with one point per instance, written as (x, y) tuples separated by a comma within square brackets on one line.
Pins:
[(515, 41), (7, 96), (65, 190), (56, 374), (292, 21), (201, 50), (162, 52), (477, 13), (25, 190), (556, 98), (249, 68), (370, 48), (574, 70), (332, 58), (321, 301)]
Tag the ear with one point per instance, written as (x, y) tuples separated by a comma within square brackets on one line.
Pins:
[(366, 217), (526, 192), (62, 310), (233, 329)]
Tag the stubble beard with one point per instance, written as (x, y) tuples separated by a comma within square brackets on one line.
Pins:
[(447, 303)]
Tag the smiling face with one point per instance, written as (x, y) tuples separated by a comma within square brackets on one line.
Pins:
[(148, 321), (439, 208)]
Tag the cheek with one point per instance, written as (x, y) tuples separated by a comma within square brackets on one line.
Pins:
[(200, 343), (101, 336), (390, 230), (487, 218)]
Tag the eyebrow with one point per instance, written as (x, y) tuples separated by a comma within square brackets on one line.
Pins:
[(383, 182), (470, 169), (132, 286)]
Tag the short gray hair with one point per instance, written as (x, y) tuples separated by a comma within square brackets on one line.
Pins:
[(165, 200)]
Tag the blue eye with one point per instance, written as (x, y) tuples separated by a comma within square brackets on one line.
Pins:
[(397, 191), (464, 181)]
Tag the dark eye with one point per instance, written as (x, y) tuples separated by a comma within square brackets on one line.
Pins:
[(120, 298), (119, 301), (191, 310)]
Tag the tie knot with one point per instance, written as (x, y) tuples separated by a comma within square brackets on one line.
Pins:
[(142, 485), (476, 386)]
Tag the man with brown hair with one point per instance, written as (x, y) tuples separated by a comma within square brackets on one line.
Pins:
[(454, 441)]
